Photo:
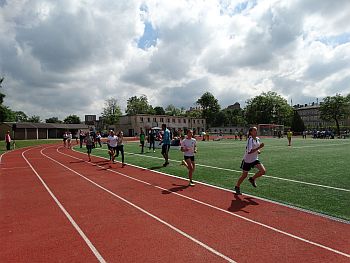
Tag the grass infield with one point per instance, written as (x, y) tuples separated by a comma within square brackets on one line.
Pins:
[(311, 174)]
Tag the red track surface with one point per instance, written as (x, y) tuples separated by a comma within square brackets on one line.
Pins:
[(136, 215)]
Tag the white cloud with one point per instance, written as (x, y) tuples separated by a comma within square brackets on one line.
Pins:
[(68, 57)]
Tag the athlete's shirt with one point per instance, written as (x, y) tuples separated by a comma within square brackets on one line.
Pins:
[(190, 145), (166, 137), (112, 140), (251, 144)]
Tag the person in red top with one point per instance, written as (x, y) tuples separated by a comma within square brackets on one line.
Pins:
[(8, 140)]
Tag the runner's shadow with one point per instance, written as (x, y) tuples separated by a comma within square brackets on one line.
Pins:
[(156, 167), (239, 204), (176, 188), (80, 161)]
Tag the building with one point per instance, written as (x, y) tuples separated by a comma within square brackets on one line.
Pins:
[(35, 131), (311, 116), (90, 119), (131, 125), (235, 106)]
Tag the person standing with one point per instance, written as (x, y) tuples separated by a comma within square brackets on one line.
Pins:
[(165, 144), (251, 160), (65, 137), (189, 148), (8, 140), (151, 139), (120, 146), (289, 137), (81, 138), (98, 138), (89, 142), (142, 140), (69, 139)]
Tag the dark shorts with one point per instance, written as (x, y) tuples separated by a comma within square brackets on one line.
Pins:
[(89, 148), (248, 166), (165, 148), (189, 157)]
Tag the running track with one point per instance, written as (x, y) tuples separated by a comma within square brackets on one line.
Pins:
[(56, 207)]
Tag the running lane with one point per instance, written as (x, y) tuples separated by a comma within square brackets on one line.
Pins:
[(217, 228), (32, 227)]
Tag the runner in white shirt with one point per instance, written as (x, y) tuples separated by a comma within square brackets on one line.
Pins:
[(251, 160), (189, 148), (112, 140)]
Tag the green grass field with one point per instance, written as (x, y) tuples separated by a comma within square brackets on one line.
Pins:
[(305, 175)]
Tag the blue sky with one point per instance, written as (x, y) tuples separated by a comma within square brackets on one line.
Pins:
[(67, 57)]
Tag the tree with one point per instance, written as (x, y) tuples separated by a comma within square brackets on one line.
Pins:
[(34, 119), (210, 107), (268, 108), (53, 120), (335, 108), (159, 110), (234, 117), (72, 119), (20, 116), (137, 105), (111, 111), (297, 123), (172, 110)]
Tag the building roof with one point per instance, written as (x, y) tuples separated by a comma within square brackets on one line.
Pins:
[(30, 125)]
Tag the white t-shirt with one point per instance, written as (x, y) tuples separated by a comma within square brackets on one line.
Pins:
[(112, 140), (190, 145), (251, 144)]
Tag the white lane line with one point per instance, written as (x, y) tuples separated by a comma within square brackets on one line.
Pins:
[(236, 171), (220, 209), (70, 218), (212, 250)]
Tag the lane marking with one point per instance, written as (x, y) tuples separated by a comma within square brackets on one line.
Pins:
[(70, 218), (228, 190), (211, 206), (143, 210), (236, 171)]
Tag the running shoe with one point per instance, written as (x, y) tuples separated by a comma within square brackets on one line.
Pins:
[(252, 181), (191, 183), (238, 190)]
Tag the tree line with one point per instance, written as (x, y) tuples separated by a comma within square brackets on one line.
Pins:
[(268, 107)]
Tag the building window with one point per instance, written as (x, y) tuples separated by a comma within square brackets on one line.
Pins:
[(173, 120), (184, 120), (149, 119), (179, 120), (194, 121), (168, 120), (141, 119), (155, 119), (161, 120), (202, 121)]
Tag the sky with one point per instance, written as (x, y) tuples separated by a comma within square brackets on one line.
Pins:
[(68, 57)]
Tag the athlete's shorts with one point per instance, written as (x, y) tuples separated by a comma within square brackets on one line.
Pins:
[(248, 166), (189, 157), (165, 148)]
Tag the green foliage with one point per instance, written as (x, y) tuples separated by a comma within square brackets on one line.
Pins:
[(34, 119), (297, 123), (137, 105), (111, 112), (159, 110), (171, 110), (53, 120), (335, 108), (268, 108), (210, 107), (72, 119)]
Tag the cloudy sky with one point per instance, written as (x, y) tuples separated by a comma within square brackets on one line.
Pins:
[(62, 57)]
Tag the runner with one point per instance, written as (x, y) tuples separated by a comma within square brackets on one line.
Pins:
[(89, 142), (251, 160), (112, 145), (120, 146), (189, 148)]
